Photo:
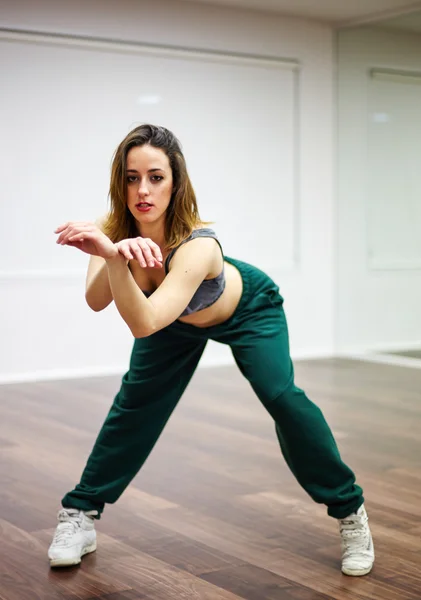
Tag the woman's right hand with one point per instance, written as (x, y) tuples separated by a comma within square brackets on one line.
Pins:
[(88, 238), (144, 250)]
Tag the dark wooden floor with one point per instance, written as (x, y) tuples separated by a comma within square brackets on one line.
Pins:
[(214, 514)]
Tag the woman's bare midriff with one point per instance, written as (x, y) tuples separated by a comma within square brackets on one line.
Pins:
[(226, 304), (218, 312)]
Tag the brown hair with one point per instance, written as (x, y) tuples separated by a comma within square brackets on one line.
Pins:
[(182, 213)]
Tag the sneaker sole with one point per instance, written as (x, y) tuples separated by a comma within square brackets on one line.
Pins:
[(358, 573), (65, 562)]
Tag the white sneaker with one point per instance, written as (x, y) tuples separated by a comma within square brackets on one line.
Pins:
[(357, 544), (75, 536)]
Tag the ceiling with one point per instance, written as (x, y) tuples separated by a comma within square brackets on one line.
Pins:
[(334, 11), (410, 23)]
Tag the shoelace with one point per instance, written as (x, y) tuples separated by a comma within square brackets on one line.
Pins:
[(68, 525), (354, 534)]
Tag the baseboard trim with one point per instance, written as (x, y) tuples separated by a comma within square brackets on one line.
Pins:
[(61, 374), (380, 349), (119, 370), (387, 359)]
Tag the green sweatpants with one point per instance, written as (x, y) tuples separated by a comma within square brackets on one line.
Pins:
[(161, 367)]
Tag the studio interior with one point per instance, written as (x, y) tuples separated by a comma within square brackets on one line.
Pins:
[(210, 375)]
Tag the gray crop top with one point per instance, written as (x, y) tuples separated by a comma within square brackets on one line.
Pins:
[(210, 289)]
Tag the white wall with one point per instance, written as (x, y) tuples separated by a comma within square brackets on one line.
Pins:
[(378, 264), (47, 330)]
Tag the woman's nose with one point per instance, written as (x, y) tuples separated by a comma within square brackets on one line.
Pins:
[(143, 189)]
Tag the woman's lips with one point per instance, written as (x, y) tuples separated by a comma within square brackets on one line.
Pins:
[(143, 206)]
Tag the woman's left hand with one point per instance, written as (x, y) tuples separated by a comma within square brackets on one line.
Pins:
[(144, 250)]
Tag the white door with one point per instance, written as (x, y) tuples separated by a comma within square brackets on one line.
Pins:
[(379, 191)]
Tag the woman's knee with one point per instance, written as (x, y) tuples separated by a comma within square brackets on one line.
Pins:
[(290, 403)]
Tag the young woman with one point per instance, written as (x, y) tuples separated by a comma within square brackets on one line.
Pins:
[(173, 286)]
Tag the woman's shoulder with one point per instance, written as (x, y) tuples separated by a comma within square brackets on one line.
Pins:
[(202, 232)]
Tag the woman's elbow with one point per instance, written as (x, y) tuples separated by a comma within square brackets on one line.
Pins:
[(143, 331), (96, 304)]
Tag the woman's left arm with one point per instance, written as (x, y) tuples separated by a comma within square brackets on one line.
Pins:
[(144, 316)]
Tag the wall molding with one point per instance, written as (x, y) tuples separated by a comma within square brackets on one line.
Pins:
[(79, 275), (99, 43), (43, 275), (377, 264)]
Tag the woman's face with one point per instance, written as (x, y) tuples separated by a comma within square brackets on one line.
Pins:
[(149, 183)]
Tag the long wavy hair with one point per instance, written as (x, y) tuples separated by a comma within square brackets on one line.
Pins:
[(182, 214)]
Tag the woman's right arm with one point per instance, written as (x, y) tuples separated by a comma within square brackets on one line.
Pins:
[(98, 292), (90, 238)]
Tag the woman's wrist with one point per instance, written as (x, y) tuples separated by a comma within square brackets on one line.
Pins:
[(115, 258)]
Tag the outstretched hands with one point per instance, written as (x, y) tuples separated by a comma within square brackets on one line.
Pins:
[(89, 238)]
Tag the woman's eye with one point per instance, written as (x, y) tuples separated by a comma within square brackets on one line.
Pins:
[(131, 178), (157, 178)]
